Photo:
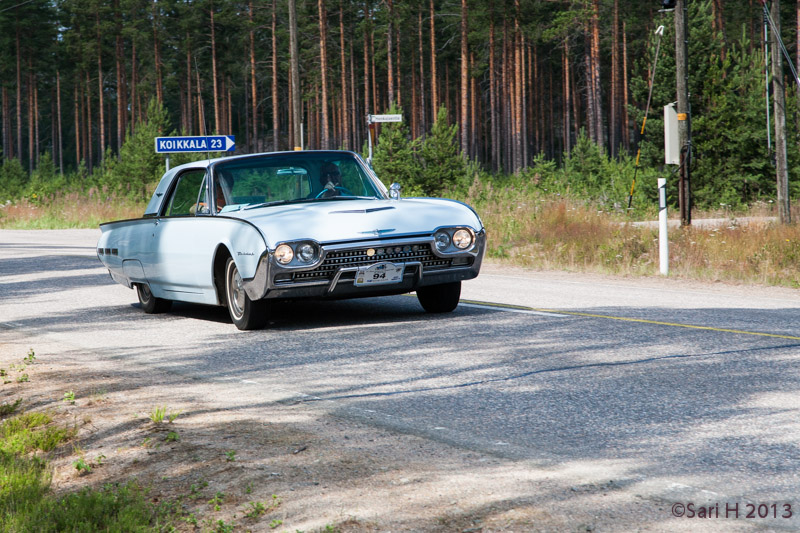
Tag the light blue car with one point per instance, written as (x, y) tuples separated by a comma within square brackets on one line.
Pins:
[(241, 231)]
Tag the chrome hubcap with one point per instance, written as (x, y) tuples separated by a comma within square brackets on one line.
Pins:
[(144, 293), (236, 292)]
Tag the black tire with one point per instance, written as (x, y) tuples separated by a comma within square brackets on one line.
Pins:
[(150, 304), (245, 313), (440, 298)]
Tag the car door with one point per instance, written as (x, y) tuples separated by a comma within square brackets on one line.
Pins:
[(179, 265)]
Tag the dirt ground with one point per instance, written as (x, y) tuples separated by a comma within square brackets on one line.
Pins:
[(291, 468)]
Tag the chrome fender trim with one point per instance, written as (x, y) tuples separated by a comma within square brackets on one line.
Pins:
[(256, 287)]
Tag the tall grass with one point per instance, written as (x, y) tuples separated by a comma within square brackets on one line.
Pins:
[(68, 210), (549, 231), (26, 503)]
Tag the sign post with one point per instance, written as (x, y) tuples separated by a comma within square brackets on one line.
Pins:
[(374, 119), (209, 143)]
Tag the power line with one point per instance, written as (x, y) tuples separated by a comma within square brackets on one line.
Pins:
[(18, 5)]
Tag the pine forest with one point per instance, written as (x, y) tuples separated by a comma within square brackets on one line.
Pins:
[(522, 87)]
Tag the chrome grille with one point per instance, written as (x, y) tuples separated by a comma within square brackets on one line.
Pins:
[(358, 257)]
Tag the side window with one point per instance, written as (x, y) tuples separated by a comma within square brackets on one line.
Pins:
[(186, 197)]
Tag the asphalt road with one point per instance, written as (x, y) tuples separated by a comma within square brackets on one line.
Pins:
[(669, 387)]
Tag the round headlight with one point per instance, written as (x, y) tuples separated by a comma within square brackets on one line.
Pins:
[(462, 239), (284, 254), (442, 240), (306, 252)]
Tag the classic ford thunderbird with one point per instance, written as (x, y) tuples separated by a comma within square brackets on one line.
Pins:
[(243, 231)]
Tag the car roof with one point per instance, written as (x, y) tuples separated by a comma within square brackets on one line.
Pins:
[(204, 163)]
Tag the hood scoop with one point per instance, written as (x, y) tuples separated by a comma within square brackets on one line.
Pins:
[(361, 211)]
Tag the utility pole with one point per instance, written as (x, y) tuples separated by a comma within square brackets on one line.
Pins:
[(684, 110), (779, 105), (294, 60)]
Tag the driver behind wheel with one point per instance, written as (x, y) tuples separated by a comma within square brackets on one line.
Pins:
[(330, 178)]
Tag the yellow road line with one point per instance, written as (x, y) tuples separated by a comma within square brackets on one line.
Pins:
[(639, 320)]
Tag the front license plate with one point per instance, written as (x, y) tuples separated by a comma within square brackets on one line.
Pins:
[(379, 274)]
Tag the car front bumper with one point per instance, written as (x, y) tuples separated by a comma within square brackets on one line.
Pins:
[(334, 275)]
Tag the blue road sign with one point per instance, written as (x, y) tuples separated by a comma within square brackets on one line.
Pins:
[(213, 143)]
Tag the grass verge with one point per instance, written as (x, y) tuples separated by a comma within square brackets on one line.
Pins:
[(554, 232), (26, 503), (68, 210)]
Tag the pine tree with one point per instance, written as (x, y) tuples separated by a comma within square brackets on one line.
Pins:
[(440, 159), (393, 158), (139, 167)]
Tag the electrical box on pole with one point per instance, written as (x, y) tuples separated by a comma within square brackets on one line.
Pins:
[(672, 145)]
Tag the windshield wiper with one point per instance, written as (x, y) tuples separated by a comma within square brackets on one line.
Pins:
[(279, 202)]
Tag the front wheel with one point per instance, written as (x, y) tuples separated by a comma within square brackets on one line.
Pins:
[(150, 304), (440, 298), (245, 313)]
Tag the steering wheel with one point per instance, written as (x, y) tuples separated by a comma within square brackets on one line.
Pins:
[(336, 191)]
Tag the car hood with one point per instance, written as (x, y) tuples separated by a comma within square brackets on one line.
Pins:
[(347, 220)]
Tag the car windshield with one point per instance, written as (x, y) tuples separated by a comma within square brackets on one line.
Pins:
[(253, 182)]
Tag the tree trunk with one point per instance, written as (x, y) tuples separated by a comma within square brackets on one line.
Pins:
[(31, 114), (323, 60), (389, 53), (507, 101), (76, 103), (517, 112), (214, 80), (414, 97), (189, 94), (253, 91), (375, 103), (157, 53), (367, 108), (398, 70), (595, 57), (345, 122), (88, 143), (229, 113), (201, 108), (421, 99), (134, 82), (613, 119), (8, 152), (626, 132), (567, 98), (495, 139), (276, 125), (122, 90), (354, 114), (295, 74), (100, 91), (19, 97), (464, 82), (718, 24), (58, 124), (434, 89), (473, 110)]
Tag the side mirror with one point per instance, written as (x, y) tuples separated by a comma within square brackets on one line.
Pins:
[(394, 191)]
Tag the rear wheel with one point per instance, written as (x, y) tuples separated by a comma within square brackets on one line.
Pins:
[(440, 298), (150, 304), (245, 313)]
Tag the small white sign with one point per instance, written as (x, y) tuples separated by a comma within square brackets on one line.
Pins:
[(385, 118)]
